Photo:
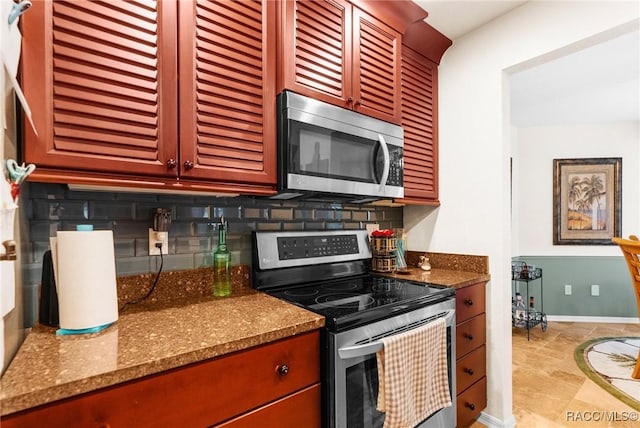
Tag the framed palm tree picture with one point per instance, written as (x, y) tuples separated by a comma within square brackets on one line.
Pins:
[(587, 206)]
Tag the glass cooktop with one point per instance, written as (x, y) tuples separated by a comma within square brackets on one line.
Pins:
[(347, 303)]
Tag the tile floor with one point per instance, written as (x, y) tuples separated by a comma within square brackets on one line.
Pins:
[(549, 390)]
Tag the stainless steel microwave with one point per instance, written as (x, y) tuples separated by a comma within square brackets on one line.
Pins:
[(334, 153)]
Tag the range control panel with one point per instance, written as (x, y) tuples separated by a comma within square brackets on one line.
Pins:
[(302, 247)]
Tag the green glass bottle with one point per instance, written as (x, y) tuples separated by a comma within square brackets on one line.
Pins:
[(222, 263)]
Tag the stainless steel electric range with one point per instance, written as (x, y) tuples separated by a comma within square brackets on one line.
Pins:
[(328, 272)]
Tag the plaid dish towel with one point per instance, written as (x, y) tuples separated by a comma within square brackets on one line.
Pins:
[(412, 375)]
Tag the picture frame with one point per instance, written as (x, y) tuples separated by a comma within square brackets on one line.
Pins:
[(587, 201)]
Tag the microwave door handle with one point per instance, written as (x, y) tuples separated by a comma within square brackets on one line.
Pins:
[(387, 162), (349, 352)]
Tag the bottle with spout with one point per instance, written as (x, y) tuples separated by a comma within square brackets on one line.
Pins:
[(222, 263)]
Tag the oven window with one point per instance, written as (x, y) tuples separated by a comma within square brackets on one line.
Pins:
[(362, 391), (362, 395)]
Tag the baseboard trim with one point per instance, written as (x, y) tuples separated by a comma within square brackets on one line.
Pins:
[(616, 320), (493, 422)]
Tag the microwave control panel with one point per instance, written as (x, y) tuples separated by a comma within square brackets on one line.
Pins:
[(395, 166)]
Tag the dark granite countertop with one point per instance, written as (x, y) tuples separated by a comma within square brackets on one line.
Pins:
[(181, 323), (450, 278), (146, 339), (451, 270)]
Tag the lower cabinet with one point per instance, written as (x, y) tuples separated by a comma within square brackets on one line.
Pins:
[(279, 381), (296, 410), (471, 402), (471, 355)]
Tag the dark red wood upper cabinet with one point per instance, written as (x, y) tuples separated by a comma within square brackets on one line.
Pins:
[(124, 90), (101, 79), (422, 49), (376, 67), (419, 121), (335, 52), (315, 54), (227, 90)]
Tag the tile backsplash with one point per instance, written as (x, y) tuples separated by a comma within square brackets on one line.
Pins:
[(192, 235)]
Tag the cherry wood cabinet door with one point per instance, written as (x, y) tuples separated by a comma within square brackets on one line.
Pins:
[(100, 78), (376, 67), (316, 54), (227, 90), (335, 52), (300, 409), (420, 122)]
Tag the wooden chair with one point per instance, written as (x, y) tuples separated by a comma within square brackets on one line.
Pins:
[(631, 250)]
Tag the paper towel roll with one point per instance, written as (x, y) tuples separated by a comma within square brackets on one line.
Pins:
[(85, 271)]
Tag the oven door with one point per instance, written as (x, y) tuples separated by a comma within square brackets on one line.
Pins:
[(323, 148), (353, 384)]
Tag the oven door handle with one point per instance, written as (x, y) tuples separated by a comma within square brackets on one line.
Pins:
[(356, 351)]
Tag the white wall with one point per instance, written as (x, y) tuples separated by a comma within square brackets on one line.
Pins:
[(533, 181), (475, 147)]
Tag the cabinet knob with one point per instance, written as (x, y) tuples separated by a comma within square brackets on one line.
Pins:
[(358, 102), (188, 165), (171, 164), (283, 369), (349, 100), (469, 302), (468, 336), (469, 371), (470, 406)]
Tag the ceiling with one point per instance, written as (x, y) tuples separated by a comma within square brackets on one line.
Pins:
[(455, 18), (597, 84)]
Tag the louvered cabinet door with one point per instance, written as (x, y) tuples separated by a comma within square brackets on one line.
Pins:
[(100, 77), (419, 120), (376, 67), (316, 53), (227, 90)]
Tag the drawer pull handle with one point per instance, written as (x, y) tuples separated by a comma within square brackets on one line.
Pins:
[(283, 369), (469, 371), (469, 302), (470, 406), (468, 336)]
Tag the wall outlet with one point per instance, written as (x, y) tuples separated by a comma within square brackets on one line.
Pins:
[(158, 237), (595, 290), (567, 290)]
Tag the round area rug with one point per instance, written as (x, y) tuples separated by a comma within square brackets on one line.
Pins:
[(609, 361)]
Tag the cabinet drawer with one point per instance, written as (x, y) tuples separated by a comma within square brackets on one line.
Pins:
[(471, 402), (471, 334), (301, 409), (470, 301), (470, 368), (200, 394)]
